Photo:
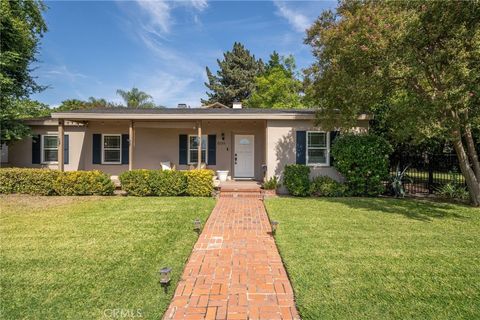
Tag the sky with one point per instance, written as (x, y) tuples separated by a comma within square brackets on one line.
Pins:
[(93, 48)]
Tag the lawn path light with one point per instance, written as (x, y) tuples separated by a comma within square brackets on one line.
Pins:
[(274, 225), (197, 225), (165, 277)]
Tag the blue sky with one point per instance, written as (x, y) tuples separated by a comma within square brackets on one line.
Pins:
[(93, 48)]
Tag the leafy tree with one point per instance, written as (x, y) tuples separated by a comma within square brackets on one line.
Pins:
[(420, 61), (278, 86), (13, 130), (91, 103), (235, 78), (21, 27), (136, 98)]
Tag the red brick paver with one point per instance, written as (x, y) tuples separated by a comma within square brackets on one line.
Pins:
[(235, 270)]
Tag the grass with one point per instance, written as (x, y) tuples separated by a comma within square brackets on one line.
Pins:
[(87, 258), (366, 258)]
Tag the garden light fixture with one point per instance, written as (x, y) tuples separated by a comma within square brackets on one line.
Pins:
[(274, 225), (197, 225)]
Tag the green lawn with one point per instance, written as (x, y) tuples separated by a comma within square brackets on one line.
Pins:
[(84, 258), (366, 258)]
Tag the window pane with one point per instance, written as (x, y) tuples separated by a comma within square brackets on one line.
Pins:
[(316, 156), (112, 156), (204, 143), (50, 142), (193, 156), (317, 139), (111, 142), (50, 155), (193, 142), (204, 154)]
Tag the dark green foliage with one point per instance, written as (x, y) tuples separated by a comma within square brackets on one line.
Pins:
[(83, 183), (45, 182), (296, 178), (21, 27), (271, 184), (144, 182), (363, 161), (324, 186), (235, 78), (168, 183)]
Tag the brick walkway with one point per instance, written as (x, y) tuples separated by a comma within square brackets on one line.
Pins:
[(235, 270)]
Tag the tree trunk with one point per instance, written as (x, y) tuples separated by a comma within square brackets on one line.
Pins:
[(470, 178), (472, 152)]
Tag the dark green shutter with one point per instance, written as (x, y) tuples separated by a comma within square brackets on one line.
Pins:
[(333, 136), (182, 149), (97, 148), (212, 149), (36, 149), (65, 149), (125, 147), (301, 147)]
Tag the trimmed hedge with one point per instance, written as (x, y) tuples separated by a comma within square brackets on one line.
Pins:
[(167, 183), (363, 160), (296, 178), (199, 183), (324, 186), (46, 182), (28, 181), (84, 183)]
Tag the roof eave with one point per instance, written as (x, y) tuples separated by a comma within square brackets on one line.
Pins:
[(229, 116)]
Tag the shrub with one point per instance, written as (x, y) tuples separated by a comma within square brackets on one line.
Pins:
[(271, 184), (296, 179), (28, 181), (363, 161), (453, 190), (199, 182), (82, 183), (327, 187), (168, 183), (136, 182)]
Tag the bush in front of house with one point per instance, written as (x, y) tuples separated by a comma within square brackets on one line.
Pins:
[(363, 160), (271, 184), (199, 182), (83, 183), (296, 178), (137, 182), (144, 182), (324, 186), (168, 182), (38, 182)]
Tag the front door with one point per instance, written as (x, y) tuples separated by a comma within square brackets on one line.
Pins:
[(244, 156)]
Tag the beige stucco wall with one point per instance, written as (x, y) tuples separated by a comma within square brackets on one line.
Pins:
[(154, 142), (281, 146), (20, 152)]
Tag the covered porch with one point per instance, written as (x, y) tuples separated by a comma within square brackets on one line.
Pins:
[(114, 146)]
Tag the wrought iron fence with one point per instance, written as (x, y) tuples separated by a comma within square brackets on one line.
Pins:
[(425, 173)]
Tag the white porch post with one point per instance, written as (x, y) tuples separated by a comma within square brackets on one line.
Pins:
[(131, 145), (61, 143), (199, 135)]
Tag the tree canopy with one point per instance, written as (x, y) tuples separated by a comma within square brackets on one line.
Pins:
[(235, 78), (419, 61), (136, 98), (21, 28), (278, 87)]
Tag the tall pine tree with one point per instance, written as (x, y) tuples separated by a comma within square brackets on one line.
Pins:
[(235, 78)]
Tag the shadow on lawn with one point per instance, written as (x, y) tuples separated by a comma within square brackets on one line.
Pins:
[(423, 210)]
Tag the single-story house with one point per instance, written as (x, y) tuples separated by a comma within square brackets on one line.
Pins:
[(249, 143)]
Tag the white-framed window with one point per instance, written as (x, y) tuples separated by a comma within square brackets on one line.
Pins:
[(193, 148), (111, 148), (318, 150), (49, 147)]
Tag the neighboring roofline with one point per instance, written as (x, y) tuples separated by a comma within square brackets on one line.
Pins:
[(216, 105)]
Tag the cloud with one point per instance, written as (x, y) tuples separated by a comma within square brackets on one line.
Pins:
[(62, 71), (158, 13), (297, 20)]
